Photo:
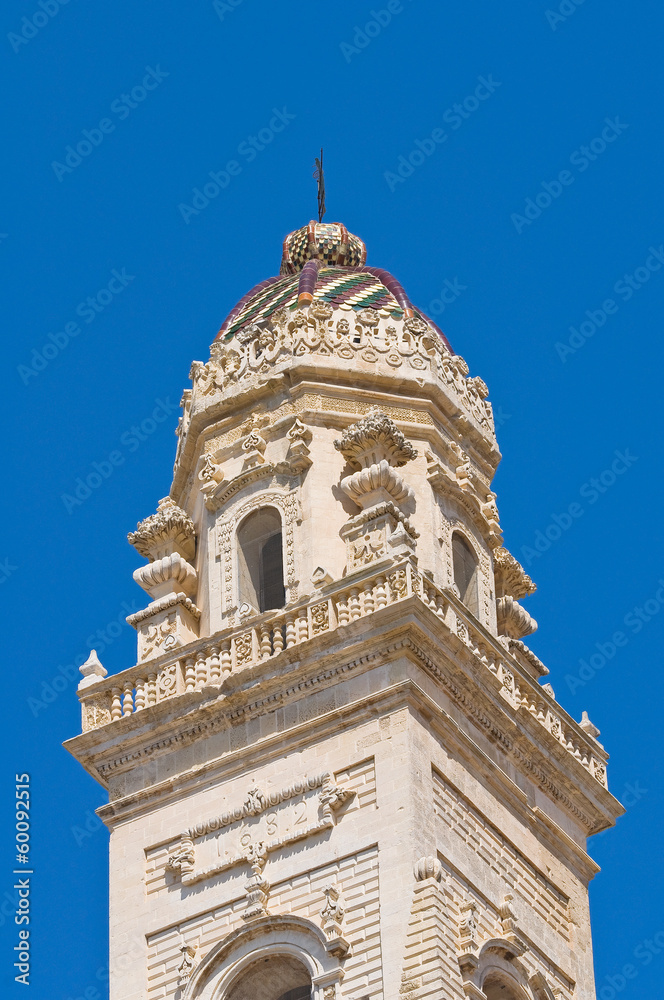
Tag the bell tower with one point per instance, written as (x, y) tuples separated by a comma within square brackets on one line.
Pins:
[(334, 770)]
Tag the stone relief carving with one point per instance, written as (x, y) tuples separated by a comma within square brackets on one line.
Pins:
[(511, 578), (169, 530), (513, 620), (375, 447), (369, 336), (188, 963), (168, 540), (299, 810)]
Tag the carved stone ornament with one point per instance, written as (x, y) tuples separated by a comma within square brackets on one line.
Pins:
[(170, 574), (263, 823), (513, 620), (511, 578), (469, 949), (429, 867), (93, 671), (372, 439), (587, 726), (257, 888), (169, 530), (299, 437), (187, 965), (332, 916), (376, 483)]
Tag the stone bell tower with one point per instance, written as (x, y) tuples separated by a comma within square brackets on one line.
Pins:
[(334, 771)]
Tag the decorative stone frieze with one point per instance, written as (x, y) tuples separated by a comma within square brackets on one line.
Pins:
[(300, 810)]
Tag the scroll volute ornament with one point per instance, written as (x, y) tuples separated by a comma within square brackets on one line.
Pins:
[(376, 448), (168, 539)]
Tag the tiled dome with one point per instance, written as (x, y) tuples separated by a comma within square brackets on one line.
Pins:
[(323, 262)]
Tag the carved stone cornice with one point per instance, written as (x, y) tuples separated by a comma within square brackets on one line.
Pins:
[(593, 810)]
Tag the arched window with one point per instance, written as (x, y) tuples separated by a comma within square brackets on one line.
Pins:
[(276, 978), (464, 562), (260, 560), (497, 988)]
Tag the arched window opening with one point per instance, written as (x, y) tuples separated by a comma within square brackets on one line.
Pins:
[(464, 562), (496, 988), (275, 978), (260, 560)]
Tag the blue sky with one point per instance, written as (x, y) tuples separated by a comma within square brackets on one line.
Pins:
[(527, 220)]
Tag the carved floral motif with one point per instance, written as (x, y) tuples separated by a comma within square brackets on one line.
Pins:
[(170, 529)]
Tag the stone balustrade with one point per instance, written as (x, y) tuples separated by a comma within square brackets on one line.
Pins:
[(207, 662)]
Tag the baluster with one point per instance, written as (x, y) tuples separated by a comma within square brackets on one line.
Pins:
[(278, 637), (215, 668), (116, 704), (140, 693), (368, 598), (226, 661), (151, 689), (201, 670), (381, 593), (128, 699), (342, 609), (189, 674), (354, 604), (290, 631), (302, 627), (265, 641)]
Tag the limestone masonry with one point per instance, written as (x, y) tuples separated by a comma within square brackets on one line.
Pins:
[(334, 771)]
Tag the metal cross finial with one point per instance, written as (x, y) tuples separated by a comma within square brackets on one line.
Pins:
[(319, 176)]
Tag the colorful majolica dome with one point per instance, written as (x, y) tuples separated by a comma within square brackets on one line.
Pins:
[(323, 261)]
